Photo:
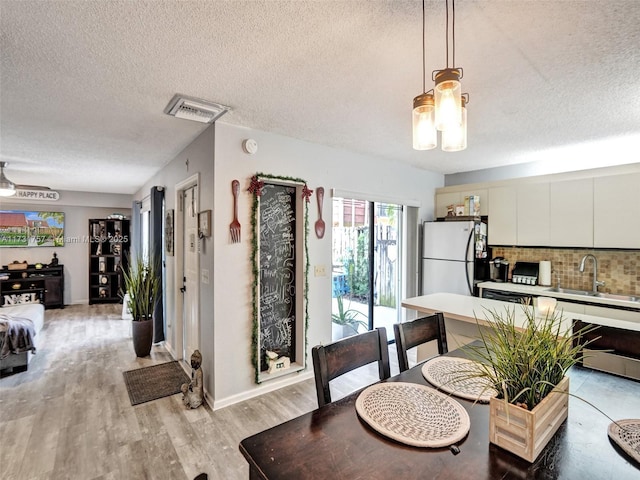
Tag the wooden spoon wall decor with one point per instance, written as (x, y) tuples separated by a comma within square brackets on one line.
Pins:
[(320, 226)]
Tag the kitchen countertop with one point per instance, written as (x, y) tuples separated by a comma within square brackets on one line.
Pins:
[(545, 291), (467, 308)]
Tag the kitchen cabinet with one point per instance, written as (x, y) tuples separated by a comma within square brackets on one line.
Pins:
[(571, 213), (532, 209), (503, 216), (457, 198), (616, 213)]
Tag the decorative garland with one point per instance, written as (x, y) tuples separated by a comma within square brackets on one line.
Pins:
[(255, 188)]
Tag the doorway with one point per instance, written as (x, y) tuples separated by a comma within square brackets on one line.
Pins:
[(366, 266), (187, 254)]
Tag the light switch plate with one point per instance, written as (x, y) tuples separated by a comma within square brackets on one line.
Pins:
[(320, 271)]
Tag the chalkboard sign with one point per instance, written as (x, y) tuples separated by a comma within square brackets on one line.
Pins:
[(277, 271)]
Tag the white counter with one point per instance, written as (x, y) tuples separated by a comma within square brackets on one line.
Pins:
[(468, 309), (546, 291)]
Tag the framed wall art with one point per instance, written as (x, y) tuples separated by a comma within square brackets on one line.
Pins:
[(168, 232), (21, 228)]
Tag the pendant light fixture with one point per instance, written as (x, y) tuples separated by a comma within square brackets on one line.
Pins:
[(425, 135), (454, 138), (7, 187), (448, 91)]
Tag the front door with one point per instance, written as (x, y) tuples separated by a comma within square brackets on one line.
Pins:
[(190, 251)]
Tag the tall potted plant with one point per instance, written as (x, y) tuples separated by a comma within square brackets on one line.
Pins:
[(527, 366), (142, 284)]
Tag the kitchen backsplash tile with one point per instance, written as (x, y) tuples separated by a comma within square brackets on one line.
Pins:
[(619, 269)]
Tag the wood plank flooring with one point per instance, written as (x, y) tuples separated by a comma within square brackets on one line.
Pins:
[(69, 415)]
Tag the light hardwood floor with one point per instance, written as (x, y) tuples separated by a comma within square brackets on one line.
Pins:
[(69, 416)]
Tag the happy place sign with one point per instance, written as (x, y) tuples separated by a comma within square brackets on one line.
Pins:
[(43, 195)]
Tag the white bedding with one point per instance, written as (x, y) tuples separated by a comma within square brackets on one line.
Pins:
[(35, 313), (32, 311)]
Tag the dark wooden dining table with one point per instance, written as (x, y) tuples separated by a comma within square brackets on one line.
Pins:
[(332, 442)]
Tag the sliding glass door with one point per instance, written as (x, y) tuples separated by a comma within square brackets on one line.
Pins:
[(366, 268)]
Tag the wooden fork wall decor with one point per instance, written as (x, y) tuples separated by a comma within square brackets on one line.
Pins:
[(234, 228)]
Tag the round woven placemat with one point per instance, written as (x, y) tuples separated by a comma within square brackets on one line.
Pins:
[(413, 414), (626, 434), (455, 376)]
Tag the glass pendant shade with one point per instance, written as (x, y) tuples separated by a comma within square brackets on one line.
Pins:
[(447, 99), (425, 135), (454, 139)]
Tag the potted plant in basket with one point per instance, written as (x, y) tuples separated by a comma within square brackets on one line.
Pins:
[(348, 319), (527, 366), (142, 284)]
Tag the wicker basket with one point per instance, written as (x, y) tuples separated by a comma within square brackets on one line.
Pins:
[(17, 266), (526, 432)]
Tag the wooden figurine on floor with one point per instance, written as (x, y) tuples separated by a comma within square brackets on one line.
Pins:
[(193, 393)]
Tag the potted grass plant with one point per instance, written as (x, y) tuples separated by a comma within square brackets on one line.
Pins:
[(527, 365), (349, 320), (142, 284)]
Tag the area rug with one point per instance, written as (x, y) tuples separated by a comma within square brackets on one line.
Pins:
[(150, 383)]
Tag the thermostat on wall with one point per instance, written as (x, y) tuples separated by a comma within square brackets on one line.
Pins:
[(250, 146)]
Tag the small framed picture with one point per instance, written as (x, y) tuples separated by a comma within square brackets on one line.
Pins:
[(168, 232), (204, 223)]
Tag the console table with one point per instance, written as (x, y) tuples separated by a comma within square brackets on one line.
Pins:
[(33, 285)]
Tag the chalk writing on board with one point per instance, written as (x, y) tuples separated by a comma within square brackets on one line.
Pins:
[(277, 271)]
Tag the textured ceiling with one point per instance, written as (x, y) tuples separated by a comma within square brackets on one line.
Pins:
[(84, 84)]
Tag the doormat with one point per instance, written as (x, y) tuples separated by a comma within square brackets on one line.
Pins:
[(150, 383)]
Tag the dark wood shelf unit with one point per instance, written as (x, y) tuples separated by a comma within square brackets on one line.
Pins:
[(108, 255), (45, 284)]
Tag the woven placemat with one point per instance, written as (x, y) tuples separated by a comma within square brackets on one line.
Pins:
[(626, 434), (157, 381), (456, 376), (413, 414)]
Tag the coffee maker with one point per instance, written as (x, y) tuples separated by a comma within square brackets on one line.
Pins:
[(499, 269)]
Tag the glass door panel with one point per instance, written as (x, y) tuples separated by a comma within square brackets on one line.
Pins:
[(387, 265), (366, 270)]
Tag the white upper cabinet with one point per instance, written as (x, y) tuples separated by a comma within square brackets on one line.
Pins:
[(616, 211), (457, 198), (502, 216), (580, 212), (533, 214), (571, 213)]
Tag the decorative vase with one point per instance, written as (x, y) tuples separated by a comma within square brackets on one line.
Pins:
[(526, 432), (142, 333)]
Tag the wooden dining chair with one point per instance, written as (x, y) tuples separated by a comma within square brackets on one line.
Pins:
[(419, 331), (337, 358)]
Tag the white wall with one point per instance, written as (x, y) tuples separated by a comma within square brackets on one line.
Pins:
[(196, 158), (78, 208), (232, 279), (225, 303)]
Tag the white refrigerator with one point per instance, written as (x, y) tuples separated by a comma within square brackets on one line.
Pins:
[(449, 253)]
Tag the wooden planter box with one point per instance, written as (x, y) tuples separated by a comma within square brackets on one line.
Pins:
[(526, 433)]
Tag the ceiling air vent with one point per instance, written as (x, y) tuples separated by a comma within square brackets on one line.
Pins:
[(195, 109)]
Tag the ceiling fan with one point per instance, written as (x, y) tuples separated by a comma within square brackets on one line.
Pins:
[(8, 188)]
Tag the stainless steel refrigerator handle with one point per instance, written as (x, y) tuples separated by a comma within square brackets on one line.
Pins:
[(466, 269)]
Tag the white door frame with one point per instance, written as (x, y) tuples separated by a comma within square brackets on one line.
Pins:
[(192, 181)]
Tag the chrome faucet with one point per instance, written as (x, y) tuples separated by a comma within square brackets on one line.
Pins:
[(596, 283)]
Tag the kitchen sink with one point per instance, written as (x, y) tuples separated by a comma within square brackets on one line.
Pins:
[(613, 296), (589, 293), (573, 292)]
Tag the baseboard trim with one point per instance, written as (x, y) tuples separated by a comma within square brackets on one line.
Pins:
[(256, 392)]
